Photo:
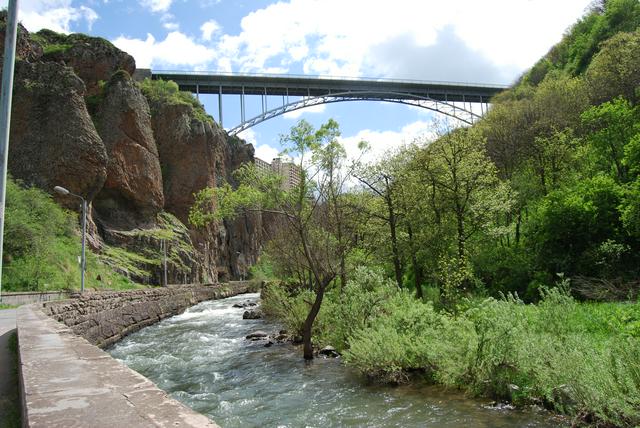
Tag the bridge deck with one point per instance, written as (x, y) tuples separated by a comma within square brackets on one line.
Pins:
[(304, 86)]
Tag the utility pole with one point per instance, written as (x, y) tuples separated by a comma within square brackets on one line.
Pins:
[(5, 110)]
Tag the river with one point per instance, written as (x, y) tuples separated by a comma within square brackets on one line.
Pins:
[(203, 360)]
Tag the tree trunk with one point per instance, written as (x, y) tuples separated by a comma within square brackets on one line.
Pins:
[(307, 346), (460, 236), (394, 243), (518, 222), (417, 270)]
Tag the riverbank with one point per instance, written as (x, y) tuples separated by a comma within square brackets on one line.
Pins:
[(573, 358), (203, 359)]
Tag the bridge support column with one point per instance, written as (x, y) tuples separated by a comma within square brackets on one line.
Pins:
[(242, 105), (220, 106)]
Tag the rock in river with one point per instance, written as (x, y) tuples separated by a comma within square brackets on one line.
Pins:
[(257, 335), (252, 314), (329, 351)]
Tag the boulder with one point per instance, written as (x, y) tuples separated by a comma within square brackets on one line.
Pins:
[(132, 191), (243, 305), (329, 351), (257, 335), (252, 314), (53, 139), (94, 59)]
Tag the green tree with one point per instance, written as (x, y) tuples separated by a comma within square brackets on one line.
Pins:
[(465, 180), (609, 128), (615, 70), (313, 220)]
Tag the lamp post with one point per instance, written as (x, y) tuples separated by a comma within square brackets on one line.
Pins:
[(6, 95), (83, 260)]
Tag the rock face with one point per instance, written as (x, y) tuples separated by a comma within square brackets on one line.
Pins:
[(190, 154), (79, 121), (132, 191), (53, 141), (195, 154), (26, 49), (92, 58)]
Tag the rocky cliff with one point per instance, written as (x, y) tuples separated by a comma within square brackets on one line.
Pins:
[(81, 122)]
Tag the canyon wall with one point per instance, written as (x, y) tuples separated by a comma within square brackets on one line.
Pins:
[(80, 121)]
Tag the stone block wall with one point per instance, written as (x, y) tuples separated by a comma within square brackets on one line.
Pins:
[(103, 318)]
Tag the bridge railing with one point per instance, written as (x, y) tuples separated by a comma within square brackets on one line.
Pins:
[(327, 77)]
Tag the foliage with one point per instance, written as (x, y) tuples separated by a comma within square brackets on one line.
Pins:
[(168, 92), (610, 128), (576, 358), (571, 228), (42, 246)]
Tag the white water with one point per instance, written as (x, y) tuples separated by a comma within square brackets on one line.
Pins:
[(202, 359)]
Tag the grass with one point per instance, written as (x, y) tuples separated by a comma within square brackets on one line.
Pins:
[(42, 245), (10, 413), (168, 92), (138, 263), (6, 306), (580, 359)]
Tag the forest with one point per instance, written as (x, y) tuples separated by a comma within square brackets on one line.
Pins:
[(502, 259)]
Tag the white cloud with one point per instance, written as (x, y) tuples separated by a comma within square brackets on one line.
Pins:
[(295, 114), (248, 135), (381, 142), (266, 152), (262, 151), (156, 5), (56, 15), (208, 29), (171, 26), (177, 49), (326, 42)]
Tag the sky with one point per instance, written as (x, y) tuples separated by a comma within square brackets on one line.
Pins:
[(472, 41)]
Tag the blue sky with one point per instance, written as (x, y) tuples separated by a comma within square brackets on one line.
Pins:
[(489, 41)]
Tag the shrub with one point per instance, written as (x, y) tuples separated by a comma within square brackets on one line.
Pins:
[(42, 246), (168, 92)]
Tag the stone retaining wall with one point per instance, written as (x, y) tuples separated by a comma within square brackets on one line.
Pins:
[(103, 318)]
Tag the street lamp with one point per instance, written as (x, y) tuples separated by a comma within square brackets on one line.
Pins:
[(83, 260)]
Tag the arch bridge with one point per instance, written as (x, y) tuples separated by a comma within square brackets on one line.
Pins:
[(463, 101)]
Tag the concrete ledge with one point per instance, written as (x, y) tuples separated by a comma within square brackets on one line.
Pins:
[(23, 298), (67, 382)]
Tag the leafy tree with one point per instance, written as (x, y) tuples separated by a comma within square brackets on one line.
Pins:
[(465, 180), (615, 70), (570, 226), (314, 224), (609, 128)]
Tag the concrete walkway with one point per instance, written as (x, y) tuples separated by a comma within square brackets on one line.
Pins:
[(68, 382), (7, 328)]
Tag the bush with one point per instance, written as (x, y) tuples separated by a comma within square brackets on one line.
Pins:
[(42, 245), (168, 92)]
